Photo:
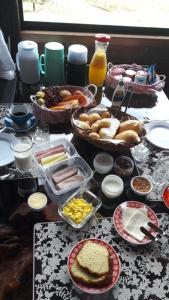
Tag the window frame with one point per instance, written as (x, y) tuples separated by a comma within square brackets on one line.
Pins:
[(70, 27)]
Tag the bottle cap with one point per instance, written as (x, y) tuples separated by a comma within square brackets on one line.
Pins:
[(77, 54), (102, 37)]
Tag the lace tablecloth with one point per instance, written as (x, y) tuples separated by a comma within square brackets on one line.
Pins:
[(144, 274)]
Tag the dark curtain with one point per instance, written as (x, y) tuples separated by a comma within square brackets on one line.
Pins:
[(9, 23)]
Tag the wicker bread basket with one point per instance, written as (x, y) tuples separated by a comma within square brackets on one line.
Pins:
[(108, 145)]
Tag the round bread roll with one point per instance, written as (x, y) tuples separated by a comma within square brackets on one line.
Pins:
[(105, 114), (94, 117), (84, 117), (94, 127), (104, 122), (94, 135), (128, 136), (83, 125), (134, 125)]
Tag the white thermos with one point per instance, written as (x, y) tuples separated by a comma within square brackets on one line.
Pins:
[(27, 60)]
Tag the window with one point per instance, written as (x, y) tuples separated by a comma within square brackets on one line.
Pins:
[(116, 16)]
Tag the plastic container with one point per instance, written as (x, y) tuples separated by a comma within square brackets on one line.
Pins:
[(77, 162), (141, 185), (90, 198), (123, 166), (103, 163), (37, 201), (68, 146), (112, 186)]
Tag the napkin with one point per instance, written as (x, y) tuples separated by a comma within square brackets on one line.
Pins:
[(7, 66), (133, 219)]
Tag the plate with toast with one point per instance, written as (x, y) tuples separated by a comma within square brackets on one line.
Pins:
[(94, 266)]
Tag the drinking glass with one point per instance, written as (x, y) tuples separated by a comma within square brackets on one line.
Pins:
[(160, 176), (23, 154)]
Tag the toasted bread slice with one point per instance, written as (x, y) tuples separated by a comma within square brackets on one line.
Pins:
[(94, 258), (83, 276)]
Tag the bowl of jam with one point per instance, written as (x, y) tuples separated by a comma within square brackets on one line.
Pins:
[(165, 196), (141, 185), (123, 166)]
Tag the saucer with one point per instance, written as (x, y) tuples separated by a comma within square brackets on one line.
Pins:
[(31, 122)]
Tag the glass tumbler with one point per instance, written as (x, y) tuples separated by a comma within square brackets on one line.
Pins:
[(160, 176)]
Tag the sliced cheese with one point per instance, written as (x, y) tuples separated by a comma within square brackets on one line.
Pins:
[(133, 219), (50, 158), (58, 159)]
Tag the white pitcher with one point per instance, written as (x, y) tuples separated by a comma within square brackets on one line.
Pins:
[(27, 60)]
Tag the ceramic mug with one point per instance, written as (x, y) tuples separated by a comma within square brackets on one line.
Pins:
[(19, 114), (52, 63)]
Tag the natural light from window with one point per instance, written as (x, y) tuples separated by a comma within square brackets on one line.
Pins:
[(137, 13)]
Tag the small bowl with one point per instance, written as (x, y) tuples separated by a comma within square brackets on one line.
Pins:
[(112, 186), (123, 165), (103, 163), (37, 201), (141, 185), (90, 199)]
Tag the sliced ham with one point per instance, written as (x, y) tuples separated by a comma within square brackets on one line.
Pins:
[(70, 182), (47, 150), (50, 152), (64, 174)]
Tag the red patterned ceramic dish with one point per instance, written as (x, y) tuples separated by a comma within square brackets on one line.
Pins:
[(116, 267), (118, 223)]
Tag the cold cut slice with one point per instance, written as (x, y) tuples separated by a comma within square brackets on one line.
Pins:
[(69, 182), (64, 174)]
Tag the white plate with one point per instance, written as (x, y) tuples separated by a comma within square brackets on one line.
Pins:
[(6, 154), (158, 133)]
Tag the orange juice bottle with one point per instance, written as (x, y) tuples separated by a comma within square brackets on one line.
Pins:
[(98, 64)]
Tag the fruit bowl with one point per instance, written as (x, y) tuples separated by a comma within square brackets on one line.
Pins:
[(55, 104)]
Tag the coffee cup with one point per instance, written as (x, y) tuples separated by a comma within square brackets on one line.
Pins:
[(19, 114), (52, 63)]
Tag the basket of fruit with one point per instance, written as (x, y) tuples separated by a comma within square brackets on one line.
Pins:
[(107, 128), (142, 79), (55, 104)]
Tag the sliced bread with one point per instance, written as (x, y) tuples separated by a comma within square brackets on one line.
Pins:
[(94, 258), (83, 276)]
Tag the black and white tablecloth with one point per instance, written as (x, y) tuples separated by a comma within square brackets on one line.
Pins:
[(144, 273)]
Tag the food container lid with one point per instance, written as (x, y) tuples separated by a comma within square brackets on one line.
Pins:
[(112, 186), (103, 162)]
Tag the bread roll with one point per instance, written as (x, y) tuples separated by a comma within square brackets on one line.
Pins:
[(94, 135), (82, 125), (134, 125), (105, 114), (94, 117), (95, 127), (128, 136), (104, 122), (84, 117)]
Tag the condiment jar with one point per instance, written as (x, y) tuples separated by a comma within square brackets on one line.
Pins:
[(112, 186)]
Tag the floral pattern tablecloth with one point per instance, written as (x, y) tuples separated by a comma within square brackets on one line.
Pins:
[(144, 273)]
